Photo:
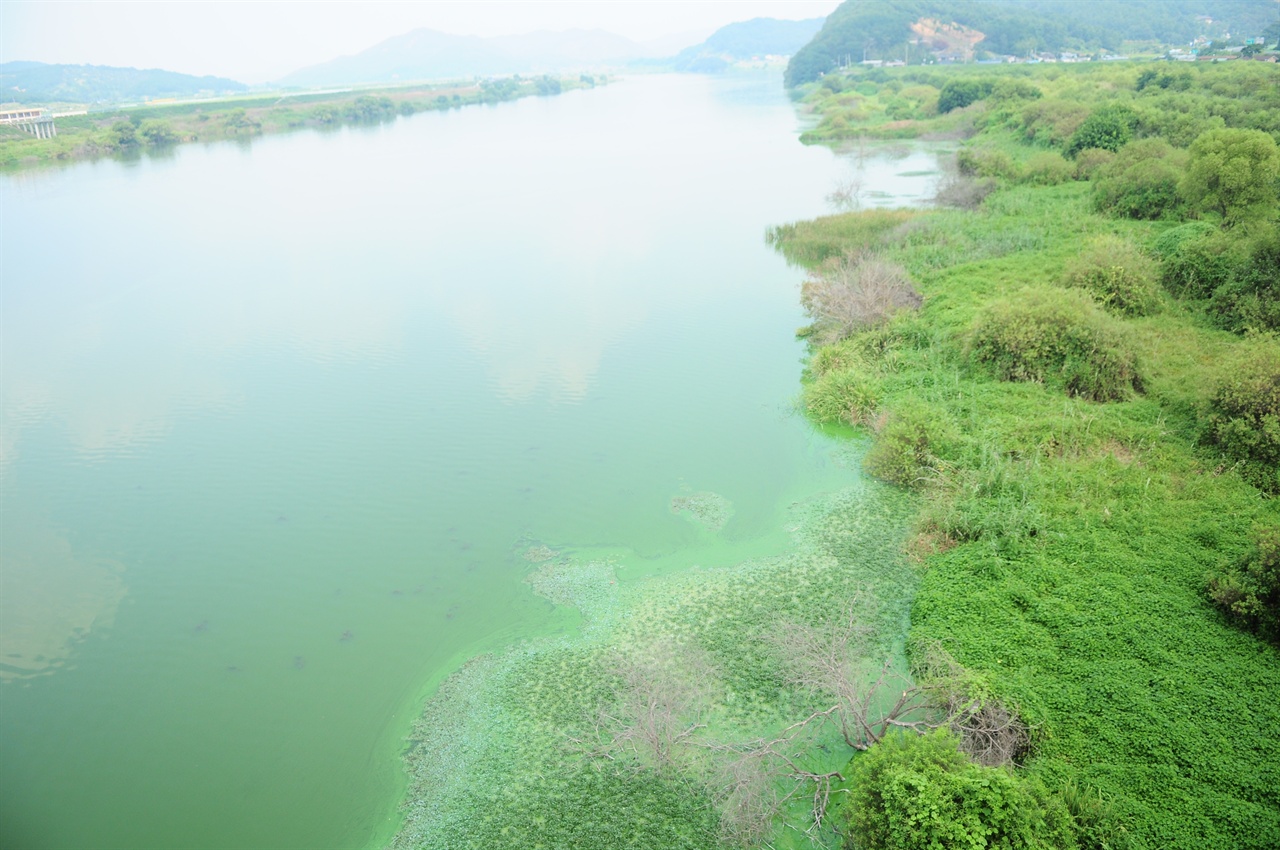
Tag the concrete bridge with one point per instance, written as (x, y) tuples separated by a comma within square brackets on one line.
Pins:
[(37, 122)]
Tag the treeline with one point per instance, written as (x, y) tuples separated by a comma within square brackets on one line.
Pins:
[(159, 126), (1077, 368), (880, 29)]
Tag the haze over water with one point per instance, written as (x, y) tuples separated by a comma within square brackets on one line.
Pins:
[(280, 420)]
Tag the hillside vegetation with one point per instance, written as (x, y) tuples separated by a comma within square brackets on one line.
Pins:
[(1087, 401), (881, 29), (37, 82)]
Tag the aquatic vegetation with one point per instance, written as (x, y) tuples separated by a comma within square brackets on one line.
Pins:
[(710, 510), (540, 746)]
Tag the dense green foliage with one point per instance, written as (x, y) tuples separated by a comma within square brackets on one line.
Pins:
[(919, 792)]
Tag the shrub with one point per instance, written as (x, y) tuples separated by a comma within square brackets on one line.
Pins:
[(1118, 275), (1244, 414), (1047, 168), (908, 445), (1249, 592), (1234, 173), (858, 290), (1052, 121), (1142, 181), (1057, 336), (919, 791), (957, 94), (963, 192), (1198, 261), (1251, 298), (157, 132), (1090, 161), (1109, 127), (987, 162), (848, 395)]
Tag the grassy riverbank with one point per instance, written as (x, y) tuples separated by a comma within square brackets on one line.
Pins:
[(1067, 401), (159, 126)]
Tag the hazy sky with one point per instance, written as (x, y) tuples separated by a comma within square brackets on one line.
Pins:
[(260, 41)]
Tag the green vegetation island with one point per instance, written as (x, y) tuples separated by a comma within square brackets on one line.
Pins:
[(163, 122), (1049, 617)]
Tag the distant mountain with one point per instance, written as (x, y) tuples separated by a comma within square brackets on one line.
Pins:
[(36, 82), (882, 29), (425, 54), (747, 40)]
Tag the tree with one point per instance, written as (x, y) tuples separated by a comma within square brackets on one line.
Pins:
[(123, 134), (1110, 128), (157, 132), (1234, 173)]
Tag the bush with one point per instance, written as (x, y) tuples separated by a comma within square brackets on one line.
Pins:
[(957, 94), (1141, 181), (848, 395), (987, 162), (1234, 173), (1057, 336), (1047, 168), (919, 791), (963, 192), (1251, 298), (1052, 121), (1117, 274), (1198, 261), (908, 445), (1249, 592), (1109, 127), (1090, 161), (1244, 414), (856, 291)]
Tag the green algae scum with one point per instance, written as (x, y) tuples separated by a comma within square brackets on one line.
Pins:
[(502, 755)]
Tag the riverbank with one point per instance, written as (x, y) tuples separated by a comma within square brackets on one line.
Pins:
[(1083, 509), (160, 126)]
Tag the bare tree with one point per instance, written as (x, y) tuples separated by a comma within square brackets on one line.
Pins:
[(855, 291), (661, 700)]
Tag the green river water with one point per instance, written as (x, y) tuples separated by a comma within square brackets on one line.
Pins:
[(284, 424)]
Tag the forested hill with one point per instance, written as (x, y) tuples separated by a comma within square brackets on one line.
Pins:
[(882, 28), (747, 40), (36, 82)]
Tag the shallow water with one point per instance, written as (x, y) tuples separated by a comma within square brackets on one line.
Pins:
[(282, 421)]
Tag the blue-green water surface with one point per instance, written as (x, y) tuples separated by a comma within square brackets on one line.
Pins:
[(283, 421)]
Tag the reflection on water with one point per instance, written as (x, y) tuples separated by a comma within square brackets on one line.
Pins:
[(314, 399), (51, 596)]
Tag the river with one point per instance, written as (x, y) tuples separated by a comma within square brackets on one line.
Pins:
[(283, 419)]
